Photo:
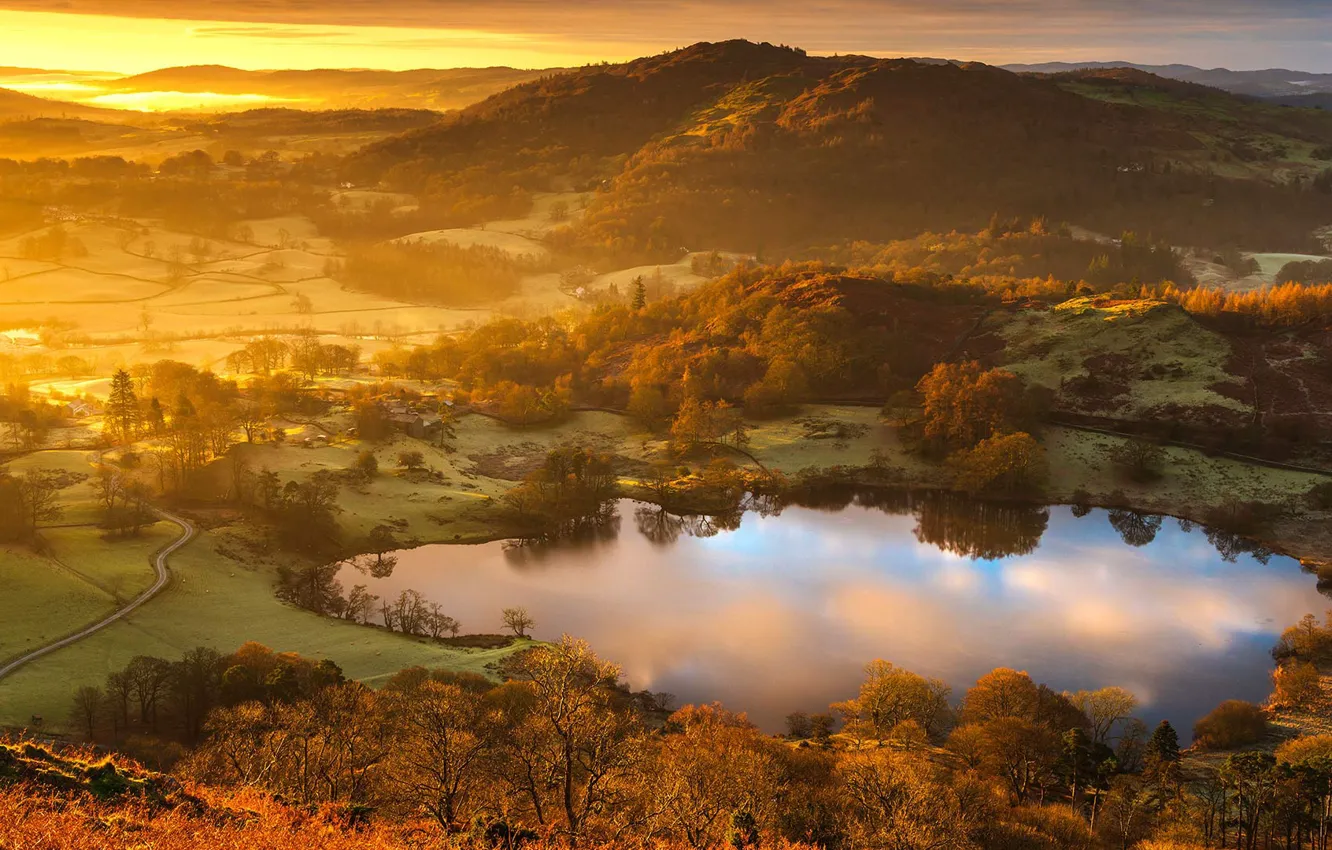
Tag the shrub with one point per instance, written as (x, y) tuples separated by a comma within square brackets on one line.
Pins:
[(1231, 725), (1007, 463), (1296, 684), (1140, 460), (1306, 748), (367, 464)]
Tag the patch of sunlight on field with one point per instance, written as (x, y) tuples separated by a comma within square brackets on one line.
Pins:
[(1191, 479), (1048, 346), (122, 568), (43, 602), (13, 267), (1270, 264), (209, 289), (511, 243), (74, 286)]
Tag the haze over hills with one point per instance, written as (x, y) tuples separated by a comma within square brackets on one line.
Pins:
[(745, 146), (1270, 83), (222, 88), (18, 105)]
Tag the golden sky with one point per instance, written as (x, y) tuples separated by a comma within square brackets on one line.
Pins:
[(139, 35), (132, 45)]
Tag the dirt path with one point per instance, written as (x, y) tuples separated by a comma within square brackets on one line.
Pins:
[(187, 532)]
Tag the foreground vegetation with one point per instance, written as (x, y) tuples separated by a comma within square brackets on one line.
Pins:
[(563, 753)]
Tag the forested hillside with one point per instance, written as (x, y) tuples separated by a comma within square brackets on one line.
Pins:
[(765, 149)]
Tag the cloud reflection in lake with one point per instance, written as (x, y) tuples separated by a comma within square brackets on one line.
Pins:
[(782, 613)]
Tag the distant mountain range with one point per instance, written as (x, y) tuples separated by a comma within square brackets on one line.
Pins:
[(1298, 88)]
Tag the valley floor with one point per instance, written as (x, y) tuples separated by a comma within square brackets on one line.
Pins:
[(221, 593)]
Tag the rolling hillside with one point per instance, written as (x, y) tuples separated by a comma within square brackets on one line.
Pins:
[(764, 149)]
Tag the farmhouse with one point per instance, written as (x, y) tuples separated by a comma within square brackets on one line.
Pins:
[(415, 425), (80, 409)]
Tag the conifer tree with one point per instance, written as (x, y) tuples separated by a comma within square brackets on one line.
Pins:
[(122, 409)]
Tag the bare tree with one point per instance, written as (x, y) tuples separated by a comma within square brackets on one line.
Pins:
[(518, 621)]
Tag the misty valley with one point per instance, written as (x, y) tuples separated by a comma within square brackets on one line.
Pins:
[(731, 445)]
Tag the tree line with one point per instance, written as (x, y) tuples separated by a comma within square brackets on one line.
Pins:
[(563, 749)]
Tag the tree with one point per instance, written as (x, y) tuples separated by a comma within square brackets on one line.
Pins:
[(87, 710), (307, 510), (443, 737), (38, 490), (964, 405), (122, 409), (1161, 759), (1104, 708), (712, 764), (1005, 463), (1141, 460), (1297, 684), (1232, 724), (576, 734), (148, 680), (890, 697), (640, 294), (518, 621), (1136, 529), (1001, 693), (367, 464), (411, 461)]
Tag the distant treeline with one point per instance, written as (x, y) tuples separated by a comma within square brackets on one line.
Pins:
[(438, 273)]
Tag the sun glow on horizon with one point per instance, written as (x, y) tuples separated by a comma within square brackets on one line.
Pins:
[(129, 45)]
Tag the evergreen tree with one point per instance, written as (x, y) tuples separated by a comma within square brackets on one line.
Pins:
[(1164, 743), (640, 293), (122, 409), (156, 417), (1161, 762)]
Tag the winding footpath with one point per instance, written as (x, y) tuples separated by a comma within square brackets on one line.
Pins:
[(187, 532)]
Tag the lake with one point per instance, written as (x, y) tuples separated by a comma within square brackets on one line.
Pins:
[(780, 612)]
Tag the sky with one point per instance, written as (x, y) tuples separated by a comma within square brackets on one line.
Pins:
[(131, 36)]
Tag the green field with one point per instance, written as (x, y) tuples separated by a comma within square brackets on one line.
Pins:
[(213, 601)]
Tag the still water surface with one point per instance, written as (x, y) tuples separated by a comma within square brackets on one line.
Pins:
[(782, 612)]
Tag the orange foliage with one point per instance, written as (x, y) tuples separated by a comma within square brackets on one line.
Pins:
[(1282, 305)]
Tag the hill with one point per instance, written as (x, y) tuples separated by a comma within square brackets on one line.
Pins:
[(19, 106), (1268, 83), (757, 148)]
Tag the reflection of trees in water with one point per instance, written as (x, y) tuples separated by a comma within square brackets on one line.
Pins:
[(1135, 528), (663, 528), (1231, 546), (587, 533), (658, 525), (374, 564), (964, 526)]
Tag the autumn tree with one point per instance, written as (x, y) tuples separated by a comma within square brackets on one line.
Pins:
[(1003, 463), (963, 404), (710, 764), (576, 733), (891, 696), (443, 737), (1105, 708)]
